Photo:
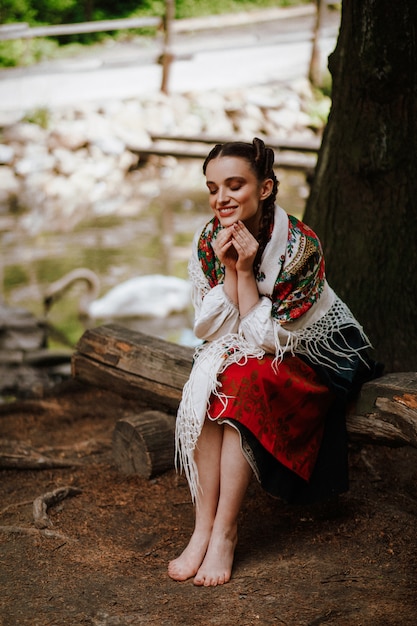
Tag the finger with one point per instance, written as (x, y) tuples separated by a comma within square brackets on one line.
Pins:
[(241, 233)]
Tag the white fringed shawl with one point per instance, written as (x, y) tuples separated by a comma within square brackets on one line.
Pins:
[(308, 335)]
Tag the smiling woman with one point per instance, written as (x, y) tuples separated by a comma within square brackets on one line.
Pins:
[(282, 355)]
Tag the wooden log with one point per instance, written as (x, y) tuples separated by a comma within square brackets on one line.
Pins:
[(134, 364), (144, 444), (155, 370), (386, 410)]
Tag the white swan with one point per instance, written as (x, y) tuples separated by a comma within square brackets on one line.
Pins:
[(153, 295)]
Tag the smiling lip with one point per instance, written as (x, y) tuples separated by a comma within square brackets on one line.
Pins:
[(226, 210)]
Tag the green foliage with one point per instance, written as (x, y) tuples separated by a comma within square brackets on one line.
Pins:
[(41, 117), (191, 8), (20, 52), (12, 53), (319, 110), (37, 12), (16, 11), (68, 11)]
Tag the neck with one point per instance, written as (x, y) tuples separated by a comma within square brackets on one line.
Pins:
[(253, 224)]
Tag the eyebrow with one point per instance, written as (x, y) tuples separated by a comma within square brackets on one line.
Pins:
[(228, 180)]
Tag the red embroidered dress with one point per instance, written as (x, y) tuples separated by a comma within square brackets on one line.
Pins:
[(263, 373)]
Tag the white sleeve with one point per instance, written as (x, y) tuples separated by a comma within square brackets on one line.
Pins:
[(259, 328), (216, 316)]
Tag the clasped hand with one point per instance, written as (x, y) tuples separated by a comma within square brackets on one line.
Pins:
[(236, 247)]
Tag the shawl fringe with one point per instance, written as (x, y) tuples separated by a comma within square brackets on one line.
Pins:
[(210, 360), (323, 339)]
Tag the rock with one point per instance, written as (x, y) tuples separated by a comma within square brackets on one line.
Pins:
[(7, 154), (25, 133), (9, 188), (110, 145), (37, 159), (19, 330), (9, 118), (127, 161), (287, 119), (66, 161), (68, 135)]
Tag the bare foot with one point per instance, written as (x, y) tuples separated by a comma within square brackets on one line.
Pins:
[(216, 569), (187, 564)]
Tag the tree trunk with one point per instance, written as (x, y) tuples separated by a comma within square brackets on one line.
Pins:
[(364, 197)]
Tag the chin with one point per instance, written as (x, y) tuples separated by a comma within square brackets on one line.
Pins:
[(228, 220)]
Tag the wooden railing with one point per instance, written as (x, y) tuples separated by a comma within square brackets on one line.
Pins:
[(24, 31), (167, 25)]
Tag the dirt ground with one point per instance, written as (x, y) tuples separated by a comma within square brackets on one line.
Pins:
[(347, 563)]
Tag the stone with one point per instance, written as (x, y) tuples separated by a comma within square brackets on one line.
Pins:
[(24, 132), (7, 154), (9, 183), (37, 160), (112, 146), (68, 135)]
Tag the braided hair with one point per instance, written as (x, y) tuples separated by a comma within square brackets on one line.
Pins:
[(261, 161)]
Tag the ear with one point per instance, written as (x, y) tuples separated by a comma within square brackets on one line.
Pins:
[(266, 188)]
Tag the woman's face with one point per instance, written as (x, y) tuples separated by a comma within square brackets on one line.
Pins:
[(235, 192)]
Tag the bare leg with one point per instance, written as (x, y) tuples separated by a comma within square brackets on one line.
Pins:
[(208, 458), (235, 475)]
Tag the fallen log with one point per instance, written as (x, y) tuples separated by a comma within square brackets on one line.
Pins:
[(154, 371), (134, 364)]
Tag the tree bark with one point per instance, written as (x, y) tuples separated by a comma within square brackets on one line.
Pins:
[(364, 196)]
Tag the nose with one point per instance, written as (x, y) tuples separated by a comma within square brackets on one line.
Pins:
[(222, 196)]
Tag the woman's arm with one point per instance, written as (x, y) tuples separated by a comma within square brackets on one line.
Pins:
[(258, 327), (216, 316)]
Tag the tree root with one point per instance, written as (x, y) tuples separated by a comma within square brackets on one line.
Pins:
[(45, 532), (42, 503)]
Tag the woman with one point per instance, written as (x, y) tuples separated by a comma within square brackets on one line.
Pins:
[(281, 356)]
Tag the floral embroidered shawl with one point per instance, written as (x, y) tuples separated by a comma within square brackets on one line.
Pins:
[(299, 268)]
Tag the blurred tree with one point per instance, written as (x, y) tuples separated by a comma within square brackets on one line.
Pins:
[(15, 11), (363, 202)]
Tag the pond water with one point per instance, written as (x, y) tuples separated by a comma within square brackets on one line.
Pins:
[(156, 240)]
